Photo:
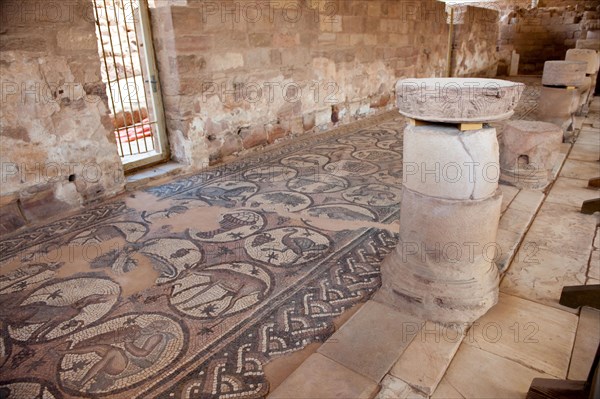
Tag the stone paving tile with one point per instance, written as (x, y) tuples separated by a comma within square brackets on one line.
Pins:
[(508, 195), (432, 350), (531, 334), (563, 228), (540, 274), (507, 242), (395, 388), (322, 378), (589, 136), (528, 200), (594, 269), (446, 391), (586, 343), (475, 373), (585, 152), (372, 340), (583, 170), (571, 192), (515, 220)]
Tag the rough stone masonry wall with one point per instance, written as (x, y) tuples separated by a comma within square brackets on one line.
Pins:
[(57, 147), (547, 32), (236, 75)]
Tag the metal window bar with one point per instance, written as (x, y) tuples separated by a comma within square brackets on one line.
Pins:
[(135, 127)]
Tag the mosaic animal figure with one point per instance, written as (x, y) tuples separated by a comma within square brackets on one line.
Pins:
[(237, 286), (48, 316), (223, 194)]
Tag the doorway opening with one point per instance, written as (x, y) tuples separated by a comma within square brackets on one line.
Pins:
[(128, 66)]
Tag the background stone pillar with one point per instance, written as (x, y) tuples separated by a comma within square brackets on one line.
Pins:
[(443, 268)]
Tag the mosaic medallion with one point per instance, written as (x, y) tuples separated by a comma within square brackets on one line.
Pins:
[(289, 200), (288, 247), (349, 168), (317, 183), (61, 308), (377, 155), (225, 193), (221, 290), (128, 231), (270, 174), (27, 389), (232, 226), (120, 353), (305, 161), (172, 256), (373, 195), (342, 211)]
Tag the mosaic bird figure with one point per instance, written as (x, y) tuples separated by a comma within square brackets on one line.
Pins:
[(230, 221)]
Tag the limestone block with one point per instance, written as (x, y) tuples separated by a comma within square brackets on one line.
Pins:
[(593, 34), (456, 100), (585, 55), (557, 106), (443, 268), (591, 44), (564, 73), (528, 151), (446, 163)]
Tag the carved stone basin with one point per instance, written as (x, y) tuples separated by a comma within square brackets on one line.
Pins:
[(458, 100)]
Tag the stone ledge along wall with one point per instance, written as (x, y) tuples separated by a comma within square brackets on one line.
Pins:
[(57, 146), (235, 75), (548, 31)]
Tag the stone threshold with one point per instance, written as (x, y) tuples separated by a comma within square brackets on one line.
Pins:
[(153, 174)]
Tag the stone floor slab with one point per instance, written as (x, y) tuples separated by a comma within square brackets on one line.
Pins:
[(586, 344), (372, 340), (432, 350), (528, 200), (571, 192), (322, 378), (508, 195), (583, 170), (540, 274), (531, 334), (475, 373), (563, 228), (585, 152), (594, 269), (446, 391), (515, 220)]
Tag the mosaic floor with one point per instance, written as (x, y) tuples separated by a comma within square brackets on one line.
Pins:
[(188, 289)]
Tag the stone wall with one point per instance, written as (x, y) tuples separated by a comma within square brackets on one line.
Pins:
[(57, 147), (546, 33), (236, 75), (476, 43)]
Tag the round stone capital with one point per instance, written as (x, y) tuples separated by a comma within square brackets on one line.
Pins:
[(458, 100)]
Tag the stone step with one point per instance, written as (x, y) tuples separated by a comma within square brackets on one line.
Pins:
[(587, 339)]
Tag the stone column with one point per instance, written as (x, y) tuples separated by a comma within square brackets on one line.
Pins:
[(528, 153), (590, 57), (443, 268), (559, 98)]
